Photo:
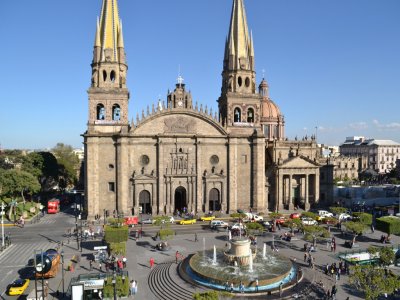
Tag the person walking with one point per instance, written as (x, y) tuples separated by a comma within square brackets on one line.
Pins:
[(257, 285), (195, 237), (305, 256), (151, 263), (280, 289), (90, 265), (241, 287), (100, 267), (231, 287), (176, 257), (124, 260), (131, 288)]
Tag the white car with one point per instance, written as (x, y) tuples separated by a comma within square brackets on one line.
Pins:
[(258, 218), (238, 226), (344, 217), (214, 224), (308, 221), (325, 214)]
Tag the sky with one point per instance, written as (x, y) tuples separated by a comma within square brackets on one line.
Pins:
[(333, 67)]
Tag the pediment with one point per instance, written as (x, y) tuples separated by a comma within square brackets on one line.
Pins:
[(299, 162), (143, 177)]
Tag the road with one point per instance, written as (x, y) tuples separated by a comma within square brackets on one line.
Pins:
[(45, 234)]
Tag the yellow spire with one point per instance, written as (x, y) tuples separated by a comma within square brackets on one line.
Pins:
[(110, 28), (97, 42), (240, 42), (120, 36)]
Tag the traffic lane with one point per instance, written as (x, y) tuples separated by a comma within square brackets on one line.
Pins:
[(151, 230)]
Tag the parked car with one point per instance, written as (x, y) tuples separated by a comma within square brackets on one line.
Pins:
[(294, 215), (170, 219), (18, 287), (344, 217), (308, 221), (146, 221), (267, 224), (280, 220), (187, 221), (324, 213), (258, 218), (214, 224)]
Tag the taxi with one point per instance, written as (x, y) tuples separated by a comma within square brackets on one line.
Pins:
[(187, 221), (207, 218), (18, 287)]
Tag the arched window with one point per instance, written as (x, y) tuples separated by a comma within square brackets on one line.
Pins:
[(250, 115), (104, 75), (237, 116), (116, 112), (101, 112)]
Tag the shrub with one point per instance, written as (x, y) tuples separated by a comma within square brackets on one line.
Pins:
[(116, 234), (122, 287), (389, 225), (337, 210), (212, 295), (309, 214), (238, 215), (118, 248), (363, 218), (166, 233)]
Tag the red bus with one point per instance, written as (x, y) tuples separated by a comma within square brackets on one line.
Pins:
[(53, 206)]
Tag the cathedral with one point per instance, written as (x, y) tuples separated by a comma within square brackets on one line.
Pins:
[(182, 155)]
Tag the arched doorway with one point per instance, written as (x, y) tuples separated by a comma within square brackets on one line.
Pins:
[(180, 199), (144, 202), (215, 200)]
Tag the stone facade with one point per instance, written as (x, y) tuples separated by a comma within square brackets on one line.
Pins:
[(182, 155)]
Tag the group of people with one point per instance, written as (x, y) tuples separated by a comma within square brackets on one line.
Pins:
[(113, 263), (385, 239), (309, 259)]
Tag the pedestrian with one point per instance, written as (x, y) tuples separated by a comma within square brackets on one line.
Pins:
[(334, 247), (226, 286), (338, 273), (280, 289), (90, 265), (257, 285), (195, 237), (131, 288), (124, 260), (372, 228), (327, 245), (151, 263), (241, 287), (100, 267), (305, 256), (333, 292), (231, 287), (136, 286), (176, 257)]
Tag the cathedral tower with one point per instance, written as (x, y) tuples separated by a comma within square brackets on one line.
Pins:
[(239, 104), (108, 95)]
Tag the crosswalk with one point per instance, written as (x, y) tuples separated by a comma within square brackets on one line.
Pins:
[(18, 255)]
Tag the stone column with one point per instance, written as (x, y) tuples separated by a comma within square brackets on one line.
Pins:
[(291, 205), (206, 198), (189, 194), (232, 174), (154, 206), (171, 197), (167, 196), (316, 186), (280, 192), (122, 194), (307, 201), (199, 172), (160, 177), (258, 166), (223, 206)]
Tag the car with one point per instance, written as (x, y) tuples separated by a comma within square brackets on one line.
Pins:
[(214, 224), (324, 213), (267, 224), (280, 220), (146, 221), (308, 221), (207, 218), (294, 216), (238, 226), (344, 217), (187, 221), (18, 287), (258, 218)]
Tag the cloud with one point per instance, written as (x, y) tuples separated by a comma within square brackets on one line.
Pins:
[(358, 125), (389, 126)]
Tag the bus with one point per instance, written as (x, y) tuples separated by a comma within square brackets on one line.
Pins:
[(53, 206), (50, 255)]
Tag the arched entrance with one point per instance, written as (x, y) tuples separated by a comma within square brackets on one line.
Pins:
[(215, 200), (180, 199), (144, 202)]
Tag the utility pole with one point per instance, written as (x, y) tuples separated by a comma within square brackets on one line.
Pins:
[(2, 224)]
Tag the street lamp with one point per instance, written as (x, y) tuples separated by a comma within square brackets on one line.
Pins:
[(62, 271), (2, 224), (77, 234), (114, 282)]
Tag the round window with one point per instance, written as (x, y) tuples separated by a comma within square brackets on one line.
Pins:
[(144, 160), (214, 160)]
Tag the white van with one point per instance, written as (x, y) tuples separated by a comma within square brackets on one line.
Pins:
[(218, 224)]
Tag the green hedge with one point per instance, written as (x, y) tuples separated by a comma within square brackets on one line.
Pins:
[(116, 234), (212, 295), (166, 233), (238, 216), (118, 248), (389, 225), (122, 287), (364, 218), (254, 226)]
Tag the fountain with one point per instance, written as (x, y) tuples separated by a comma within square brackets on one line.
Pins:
[(239, 263)]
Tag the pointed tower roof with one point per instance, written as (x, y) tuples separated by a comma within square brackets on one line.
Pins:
[(240, 42), (110, 28)]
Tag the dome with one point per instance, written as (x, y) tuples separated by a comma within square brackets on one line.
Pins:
[(270, 110)]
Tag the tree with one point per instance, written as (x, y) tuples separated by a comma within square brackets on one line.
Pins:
[(68, 164), (357, 228), (363, 218), (373, 281), (14, 181), (293, 224), (337, 210), (309, 214), (315, 232)]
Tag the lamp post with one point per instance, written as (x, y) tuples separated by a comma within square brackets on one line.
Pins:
[(62, 271), (77, 234), (114, 282), (81, 231), (2, 224)]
